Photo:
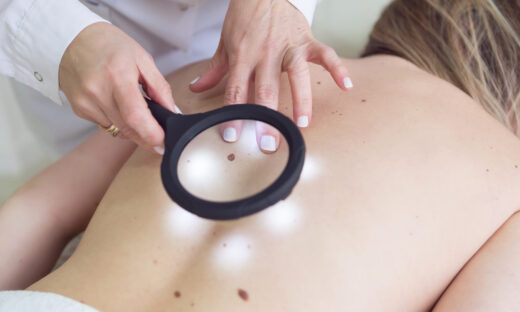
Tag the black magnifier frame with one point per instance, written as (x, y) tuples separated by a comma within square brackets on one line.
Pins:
[(181, 129)]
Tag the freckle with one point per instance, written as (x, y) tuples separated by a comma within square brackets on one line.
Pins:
[(411, 234), (516, 166), (341, 114), (188, 161), (487, 170), (416, 217), (231, 157), (363, 101), (155, 261), (243, 294), (248, 246), (192, 304), (224, 245), (177, 294)]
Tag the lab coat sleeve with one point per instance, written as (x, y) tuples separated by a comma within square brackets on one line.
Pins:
[(34, 35), (307, 7)]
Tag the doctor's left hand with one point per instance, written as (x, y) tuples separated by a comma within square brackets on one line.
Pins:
[(260, 40)]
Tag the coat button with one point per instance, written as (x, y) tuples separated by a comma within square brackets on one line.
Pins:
[(38, 76), (183, 7)]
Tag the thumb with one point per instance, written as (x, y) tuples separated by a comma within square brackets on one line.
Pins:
[(217, 69), (156, 86)]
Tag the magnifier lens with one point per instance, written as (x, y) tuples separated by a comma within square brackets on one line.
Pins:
[(215, 170)]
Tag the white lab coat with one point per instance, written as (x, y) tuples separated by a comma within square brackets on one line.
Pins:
[(35, 34)]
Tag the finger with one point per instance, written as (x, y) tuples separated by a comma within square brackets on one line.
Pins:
[(134, 113), (217, 69), (156, 86), (267, 85), (325, 56), (91, 111), (267, 137), (237, 91), (300, 82)]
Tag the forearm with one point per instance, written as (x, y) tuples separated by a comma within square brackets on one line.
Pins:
[(39, 218)]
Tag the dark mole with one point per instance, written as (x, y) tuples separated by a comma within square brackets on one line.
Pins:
[(243, 294), (177, 294), (319, 82), (231, 157), (363, 100)]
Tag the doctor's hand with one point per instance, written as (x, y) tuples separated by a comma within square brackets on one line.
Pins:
[(260, 40), (100, 73)]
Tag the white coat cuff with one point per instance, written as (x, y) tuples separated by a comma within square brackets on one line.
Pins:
[(41, 38), (307, 7)]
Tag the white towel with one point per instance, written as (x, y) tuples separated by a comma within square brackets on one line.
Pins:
[(31, 301)]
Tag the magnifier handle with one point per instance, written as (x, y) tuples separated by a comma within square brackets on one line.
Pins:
[(160, 113)]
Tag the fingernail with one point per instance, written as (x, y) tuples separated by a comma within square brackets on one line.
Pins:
[(159, 150), (268, 143), (347, 82), (230, 134), (177, 110), (194, 81), (303, 121)]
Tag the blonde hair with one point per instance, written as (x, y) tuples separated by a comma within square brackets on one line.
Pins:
[(474, 44)]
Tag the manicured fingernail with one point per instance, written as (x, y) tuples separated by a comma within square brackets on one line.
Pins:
[(159, 150), (303, 121), (347, 82), (177, 110), (230, 134), (268, 143), (194, 81)]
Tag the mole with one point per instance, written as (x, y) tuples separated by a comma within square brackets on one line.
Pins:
[(243, 294), (363, 101), (177, 294), (224, 245), (319, 82), (487, 170), (516, 166), (231, 157)]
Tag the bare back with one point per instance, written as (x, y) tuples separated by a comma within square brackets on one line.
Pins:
[(406, 177)]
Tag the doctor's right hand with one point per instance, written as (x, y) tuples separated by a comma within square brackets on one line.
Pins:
[(100, 73)]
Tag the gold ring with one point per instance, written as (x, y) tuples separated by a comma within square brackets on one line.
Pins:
[(112, 129)]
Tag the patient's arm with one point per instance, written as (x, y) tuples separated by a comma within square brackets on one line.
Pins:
[(39, 218), (491, 280)]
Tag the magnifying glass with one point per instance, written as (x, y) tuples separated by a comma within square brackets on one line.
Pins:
[(227, 181)]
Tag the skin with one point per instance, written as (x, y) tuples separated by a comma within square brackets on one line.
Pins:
[(410, 179), (55, 206), (102, 68)]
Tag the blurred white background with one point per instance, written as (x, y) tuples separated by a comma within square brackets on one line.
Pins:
[(342, 24)]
